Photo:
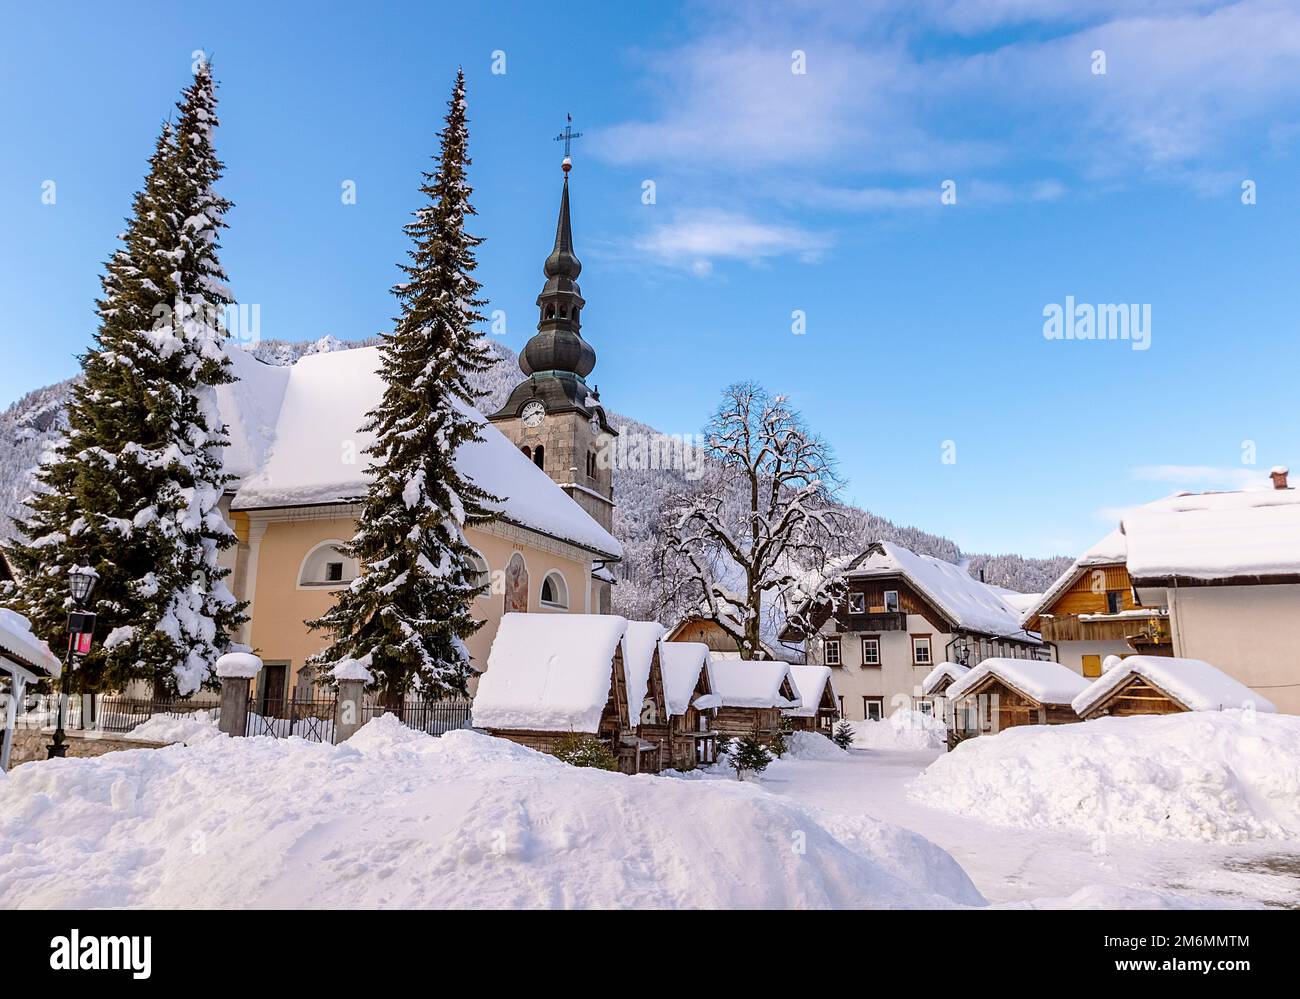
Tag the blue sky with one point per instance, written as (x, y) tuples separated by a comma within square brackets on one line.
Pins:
[(775, 191)]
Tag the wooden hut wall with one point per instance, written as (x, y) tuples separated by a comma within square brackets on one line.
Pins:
[(1137, 696)]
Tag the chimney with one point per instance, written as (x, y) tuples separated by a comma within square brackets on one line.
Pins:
[(1278, 474)]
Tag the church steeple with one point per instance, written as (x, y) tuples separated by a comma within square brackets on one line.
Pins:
[(558, 344)]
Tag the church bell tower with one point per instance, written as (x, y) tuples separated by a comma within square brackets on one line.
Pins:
[(552, 415)]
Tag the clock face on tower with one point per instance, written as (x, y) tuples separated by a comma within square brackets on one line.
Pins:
[(532, 414)]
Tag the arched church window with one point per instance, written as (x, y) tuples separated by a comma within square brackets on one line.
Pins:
[(539, 456), (555, 592), (528, 452)]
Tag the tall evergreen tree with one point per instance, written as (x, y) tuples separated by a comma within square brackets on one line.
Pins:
[(132, 489), (406, 617)]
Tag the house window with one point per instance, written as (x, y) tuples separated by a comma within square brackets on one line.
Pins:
[(857, 603), (871, 652), (1114, 601), (873, 708), (832, 652), (326, 566), (891, 601), (555, 592), (921, 650), (925, 707)]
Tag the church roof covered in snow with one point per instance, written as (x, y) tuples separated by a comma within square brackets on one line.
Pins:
[(548, 672), (296, 441), (1252, 534), (1045, 682), (811, 683), (1195, 684), (933, 678), (752, 683), (682, 663)]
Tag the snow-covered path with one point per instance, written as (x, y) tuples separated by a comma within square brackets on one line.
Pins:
[(1023, 865)]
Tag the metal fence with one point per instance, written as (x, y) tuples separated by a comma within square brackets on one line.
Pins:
[(430, 717), (111, 712), (312, 720)]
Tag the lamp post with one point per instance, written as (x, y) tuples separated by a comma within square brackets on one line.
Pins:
[(81, 624)]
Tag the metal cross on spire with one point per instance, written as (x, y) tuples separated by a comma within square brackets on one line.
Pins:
[(568, 135)]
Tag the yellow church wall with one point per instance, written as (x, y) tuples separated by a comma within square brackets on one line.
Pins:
[(280, 606)]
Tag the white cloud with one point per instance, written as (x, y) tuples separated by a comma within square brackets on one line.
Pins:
[(694, 240)]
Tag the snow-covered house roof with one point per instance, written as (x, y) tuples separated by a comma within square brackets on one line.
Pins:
[(1193, 683), (952, 671), (682, 663), (1044, 682), (20, 647), (810, 684), (549, 672), (1110, 550), (964, 600), (640, 640), (752, 683), (296, 441), (1251, 535)]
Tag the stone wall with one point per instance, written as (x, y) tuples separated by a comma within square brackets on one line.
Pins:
[(30, 744)]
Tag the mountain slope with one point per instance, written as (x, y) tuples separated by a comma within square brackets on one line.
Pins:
[(33, 421)]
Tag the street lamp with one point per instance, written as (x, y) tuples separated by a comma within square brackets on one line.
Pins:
[(81, 624)]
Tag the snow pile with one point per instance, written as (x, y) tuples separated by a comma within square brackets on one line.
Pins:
[(950, 671), (186, 728), (395, 819), (1195, 684), (812, 746), (549, 672), (905, 729), (810, 683), (1045, 682), (238, 666), (1221, 777)]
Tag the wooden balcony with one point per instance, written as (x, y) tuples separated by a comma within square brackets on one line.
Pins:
[(871, 620), (1147, 629)]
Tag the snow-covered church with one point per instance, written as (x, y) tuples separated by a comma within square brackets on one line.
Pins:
[(298, 455)]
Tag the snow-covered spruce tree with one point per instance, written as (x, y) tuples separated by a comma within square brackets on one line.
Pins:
[(132, 489), (761, 531), (407, 615)]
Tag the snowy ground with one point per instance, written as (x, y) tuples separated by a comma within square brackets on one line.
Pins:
[(394, 818), (1036, 866)]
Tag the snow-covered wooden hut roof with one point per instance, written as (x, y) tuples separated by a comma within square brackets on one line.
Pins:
[(549, 672), (640, 640), (296, 440), (682, 663), (952, 671), (23, 649), (752, 683), (1252, 535), (1044, 682), (810, 683), (1193, 683)]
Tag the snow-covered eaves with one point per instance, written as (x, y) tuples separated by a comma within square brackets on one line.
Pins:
[(969, 604), (752, 683), (810, 683), (681, 664), (23, 649), (933, 678), (1193, 683), (640, 641), (1246, 536), (1047, 683), (1110, 550), (549, 672), (297, 441)]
